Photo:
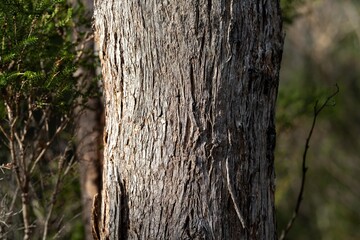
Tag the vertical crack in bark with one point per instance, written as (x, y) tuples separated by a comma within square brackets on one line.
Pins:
[(197, 13), (124, 211), (230, 30), (190, 79), (121, 83), (95, 217)]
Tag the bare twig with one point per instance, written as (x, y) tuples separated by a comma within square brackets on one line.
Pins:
[(317, 111), (41, 123), (87, 38), (69, 166), (48, 143), (25, 213), (29, 119), (57, 236), (21, 153), (5, 133), (54, 195), (13, 201)]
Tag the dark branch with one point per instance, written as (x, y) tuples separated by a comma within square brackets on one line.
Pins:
[(317, 111)]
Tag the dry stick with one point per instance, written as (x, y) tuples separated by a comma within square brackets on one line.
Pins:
[(304, 168)]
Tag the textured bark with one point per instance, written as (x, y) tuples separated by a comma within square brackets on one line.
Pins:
[(190, 90)]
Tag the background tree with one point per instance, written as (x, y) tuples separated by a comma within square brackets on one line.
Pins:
[(88, 116), (190, 91)]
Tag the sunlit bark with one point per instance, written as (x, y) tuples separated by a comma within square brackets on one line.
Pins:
[(190, 90)]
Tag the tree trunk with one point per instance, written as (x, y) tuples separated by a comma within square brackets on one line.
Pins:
[(190, 90)]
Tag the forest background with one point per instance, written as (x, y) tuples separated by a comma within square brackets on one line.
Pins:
[(321, 50)]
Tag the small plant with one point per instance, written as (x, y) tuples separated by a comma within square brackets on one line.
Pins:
[(38, 92)]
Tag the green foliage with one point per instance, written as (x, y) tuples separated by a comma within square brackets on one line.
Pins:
[(37, 53), (38, 94)]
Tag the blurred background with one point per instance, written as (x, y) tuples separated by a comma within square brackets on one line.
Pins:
[(322, 49)]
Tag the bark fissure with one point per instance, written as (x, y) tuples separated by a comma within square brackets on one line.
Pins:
[(194, 140)]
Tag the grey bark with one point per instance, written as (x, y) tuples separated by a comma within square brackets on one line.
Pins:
[(190, 90)]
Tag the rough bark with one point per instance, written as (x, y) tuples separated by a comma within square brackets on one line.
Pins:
[(190, 90)]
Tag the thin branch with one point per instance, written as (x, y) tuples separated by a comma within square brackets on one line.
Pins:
[(69, 165), (21, 153), (41, 124), (48, 143), (317, 111), (5, 133), (29, 119), (12, 145), (87, 38), (25, 213), (54, 195), (21, 177), (57, 236), (13, 201), (3, 141)]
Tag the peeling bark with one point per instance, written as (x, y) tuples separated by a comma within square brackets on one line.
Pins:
[(190, 90)]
